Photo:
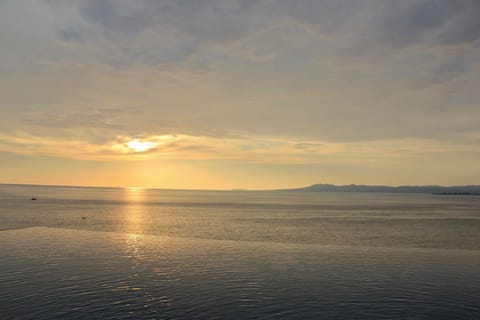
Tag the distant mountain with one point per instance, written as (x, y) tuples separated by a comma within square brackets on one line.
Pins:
[(454, 190)]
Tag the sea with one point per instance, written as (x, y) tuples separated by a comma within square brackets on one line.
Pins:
[(132, 253)]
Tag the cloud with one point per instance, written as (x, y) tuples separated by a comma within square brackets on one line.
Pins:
[(463, 26), (321, 71), (253, 150), (101, 118)]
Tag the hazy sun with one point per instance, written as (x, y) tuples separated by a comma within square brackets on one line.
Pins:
[(140, 146)]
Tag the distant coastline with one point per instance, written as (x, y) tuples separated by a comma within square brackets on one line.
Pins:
[(456, 193), (466, 190), (432, 189)]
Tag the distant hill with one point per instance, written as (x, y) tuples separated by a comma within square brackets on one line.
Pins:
[(453, 190)]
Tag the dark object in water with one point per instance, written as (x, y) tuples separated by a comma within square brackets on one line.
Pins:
[(84, 218), (34, 198)]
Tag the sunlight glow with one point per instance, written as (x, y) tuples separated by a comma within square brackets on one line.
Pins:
[(133, 217), (141, 146)]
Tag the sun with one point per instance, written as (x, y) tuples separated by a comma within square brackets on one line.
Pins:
[(140, 146)]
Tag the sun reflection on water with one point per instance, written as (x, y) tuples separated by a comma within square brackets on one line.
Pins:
[(134, 219), (134, 210)]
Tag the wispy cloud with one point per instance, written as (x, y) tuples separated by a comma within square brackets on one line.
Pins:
[(251, 150)]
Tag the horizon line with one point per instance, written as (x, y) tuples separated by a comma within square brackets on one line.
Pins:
[(232, 189)]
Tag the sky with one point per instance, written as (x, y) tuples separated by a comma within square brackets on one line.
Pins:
[(220, 94)]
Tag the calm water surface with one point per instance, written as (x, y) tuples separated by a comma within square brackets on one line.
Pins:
[(142, 254)]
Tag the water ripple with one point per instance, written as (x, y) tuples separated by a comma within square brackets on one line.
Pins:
[(53, 273)]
